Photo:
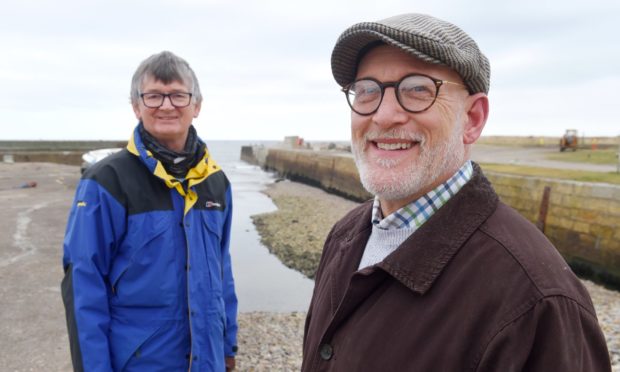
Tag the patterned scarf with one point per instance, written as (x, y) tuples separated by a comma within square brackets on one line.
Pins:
[(176, 163)]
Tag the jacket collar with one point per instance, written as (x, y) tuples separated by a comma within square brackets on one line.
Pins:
[(205, 167), (419, 261)]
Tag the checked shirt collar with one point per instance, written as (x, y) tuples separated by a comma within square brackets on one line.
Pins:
[(414, 214)]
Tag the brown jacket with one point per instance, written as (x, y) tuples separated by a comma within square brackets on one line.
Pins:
[(476, 288)]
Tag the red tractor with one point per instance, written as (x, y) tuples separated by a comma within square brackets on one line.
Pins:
[(569, 140)]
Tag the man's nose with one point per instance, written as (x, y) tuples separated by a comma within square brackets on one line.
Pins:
[(390, 111), (167, 103)]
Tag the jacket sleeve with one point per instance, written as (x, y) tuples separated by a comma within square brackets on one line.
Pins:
[(228, 284), (95, 224), (556, 334)]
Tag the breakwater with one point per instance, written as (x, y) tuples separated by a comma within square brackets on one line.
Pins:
[(61, 152), (581, 219)]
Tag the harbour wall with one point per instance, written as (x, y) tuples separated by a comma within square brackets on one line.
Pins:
[(581, 219), (62, 152)]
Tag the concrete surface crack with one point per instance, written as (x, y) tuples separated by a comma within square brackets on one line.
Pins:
[(21, 240)]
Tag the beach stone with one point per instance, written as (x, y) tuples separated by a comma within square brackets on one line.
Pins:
[(270, 341)]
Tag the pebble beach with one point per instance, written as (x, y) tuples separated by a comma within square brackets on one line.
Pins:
[(295, 233)]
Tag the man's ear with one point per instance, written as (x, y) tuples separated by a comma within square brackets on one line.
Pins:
[(197, 109), (477, 115), (136, 110)]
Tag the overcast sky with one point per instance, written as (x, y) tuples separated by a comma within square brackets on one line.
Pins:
[(264, 66)]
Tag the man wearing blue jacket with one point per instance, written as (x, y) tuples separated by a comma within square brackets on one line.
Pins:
[(148, 284)]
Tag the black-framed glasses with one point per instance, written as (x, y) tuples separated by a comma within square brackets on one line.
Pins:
[(415, 93), (155, 100)]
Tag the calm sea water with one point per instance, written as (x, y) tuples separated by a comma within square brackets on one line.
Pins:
[(263, 283)]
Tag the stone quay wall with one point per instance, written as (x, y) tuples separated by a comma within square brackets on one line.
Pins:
[(61, 152), (582, 219)]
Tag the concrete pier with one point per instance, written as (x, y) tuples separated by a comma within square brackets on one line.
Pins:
[(582, 219)]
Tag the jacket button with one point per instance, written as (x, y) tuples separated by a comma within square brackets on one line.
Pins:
[(327, 351)]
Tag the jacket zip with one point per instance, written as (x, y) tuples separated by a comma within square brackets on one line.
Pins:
[(118, 279), (187, 269)]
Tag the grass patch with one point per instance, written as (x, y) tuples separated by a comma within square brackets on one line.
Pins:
[(564, 174), (603, 156)]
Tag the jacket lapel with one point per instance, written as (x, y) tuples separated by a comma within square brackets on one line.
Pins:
[(422, 257), (348, 254), (347, 286)]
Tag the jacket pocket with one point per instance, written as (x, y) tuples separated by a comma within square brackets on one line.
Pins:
[(213, 225), (126, 339), (142, 272), (121, 265), (214, 222)]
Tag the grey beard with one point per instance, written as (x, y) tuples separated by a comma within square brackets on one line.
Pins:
[(431, 164)]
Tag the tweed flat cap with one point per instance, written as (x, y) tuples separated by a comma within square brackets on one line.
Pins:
[(428, 38)]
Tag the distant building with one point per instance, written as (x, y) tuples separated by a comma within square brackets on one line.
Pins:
[(293, 141)]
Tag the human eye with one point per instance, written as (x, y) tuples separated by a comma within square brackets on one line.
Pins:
[(180, 99), (417, 88), (152, 97), (366, 90)]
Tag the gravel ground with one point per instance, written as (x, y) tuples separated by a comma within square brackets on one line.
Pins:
[(270, 341), (296, 235)]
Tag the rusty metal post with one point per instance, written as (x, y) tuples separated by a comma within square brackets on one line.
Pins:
[(618, 155), (544, 208)]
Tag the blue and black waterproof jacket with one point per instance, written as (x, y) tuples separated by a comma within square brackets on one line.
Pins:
[(148, 283)]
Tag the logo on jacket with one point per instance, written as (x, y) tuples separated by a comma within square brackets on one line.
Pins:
[(212, 204)]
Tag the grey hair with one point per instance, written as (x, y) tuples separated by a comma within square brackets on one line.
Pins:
[(167, 68)]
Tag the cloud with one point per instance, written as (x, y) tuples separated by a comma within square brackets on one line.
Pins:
[(264, 66), (586, 106)]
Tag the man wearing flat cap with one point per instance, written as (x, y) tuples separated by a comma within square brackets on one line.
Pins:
[(435, 273)]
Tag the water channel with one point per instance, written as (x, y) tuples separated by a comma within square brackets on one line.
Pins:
[(262, 282)]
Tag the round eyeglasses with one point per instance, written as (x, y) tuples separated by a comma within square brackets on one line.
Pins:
[(415, 93), (156, 100)]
